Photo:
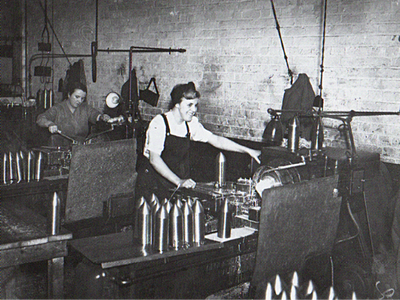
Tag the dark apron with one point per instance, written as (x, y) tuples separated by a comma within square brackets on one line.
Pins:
[(175, 155)]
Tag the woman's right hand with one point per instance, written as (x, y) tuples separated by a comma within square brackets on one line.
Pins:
[(187, 183), (53, 128)]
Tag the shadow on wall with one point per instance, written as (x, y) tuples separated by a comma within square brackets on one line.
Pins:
[(211, 81)]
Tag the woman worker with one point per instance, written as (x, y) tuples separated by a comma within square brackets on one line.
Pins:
[(70, 117), (165, 161)]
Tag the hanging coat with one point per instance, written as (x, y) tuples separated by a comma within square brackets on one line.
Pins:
[(75, 73), (300, 96)]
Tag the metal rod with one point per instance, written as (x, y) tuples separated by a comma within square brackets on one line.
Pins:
[(362, 113), (52, 29), (287, 167), (322, 54), (99, 133), (312, 113), (135, 49), (175, 190), (130, 87), (281, 40), (67, 137), (368, 224), (351, 137), (97, 22)]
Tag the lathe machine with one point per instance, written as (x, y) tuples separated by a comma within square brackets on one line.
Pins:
[(118, 268)]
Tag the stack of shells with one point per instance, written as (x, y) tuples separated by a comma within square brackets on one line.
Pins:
[(164, 225), (279, 289), (22, 166)]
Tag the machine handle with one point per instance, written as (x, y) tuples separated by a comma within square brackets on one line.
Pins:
[(67, 137)]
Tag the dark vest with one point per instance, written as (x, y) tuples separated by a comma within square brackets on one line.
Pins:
[(175, 155)]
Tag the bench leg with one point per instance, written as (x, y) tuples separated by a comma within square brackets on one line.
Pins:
[(55, 269)]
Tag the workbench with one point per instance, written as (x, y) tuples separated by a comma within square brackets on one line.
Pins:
[(24, 190), (25, 238), (116, 266), (36, 194)]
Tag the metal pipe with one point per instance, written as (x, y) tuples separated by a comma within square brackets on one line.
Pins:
[(97, 22), (135, 49), (303, 163), (54, 33), (351, 113), (351, 138), (322, 54), (99, 133), (175, 190), (130, 107)]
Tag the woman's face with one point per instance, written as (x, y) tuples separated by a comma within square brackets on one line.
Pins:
[(187, 108), (77, 98)]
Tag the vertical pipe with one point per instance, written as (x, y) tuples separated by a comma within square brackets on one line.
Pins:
[(97, 21), (27, 87)]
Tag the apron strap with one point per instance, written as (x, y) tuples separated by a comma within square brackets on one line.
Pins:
[(168, 131)]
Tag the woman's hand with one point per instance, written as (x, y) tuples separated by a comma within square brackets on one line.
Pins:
[(161, 167), (224, 143), (187, 183), (105, 117), (255, 154), (53, 128)]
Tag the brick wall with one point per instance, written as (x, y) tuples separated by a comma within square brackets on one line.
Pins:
[(234, 56)]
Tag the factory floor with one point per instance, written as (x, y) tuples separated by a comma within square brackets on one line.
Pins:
[(29, 281)]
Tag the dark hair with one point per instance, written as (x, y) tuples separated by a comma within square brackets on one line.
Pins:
[(76, 86), (186, 90)]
